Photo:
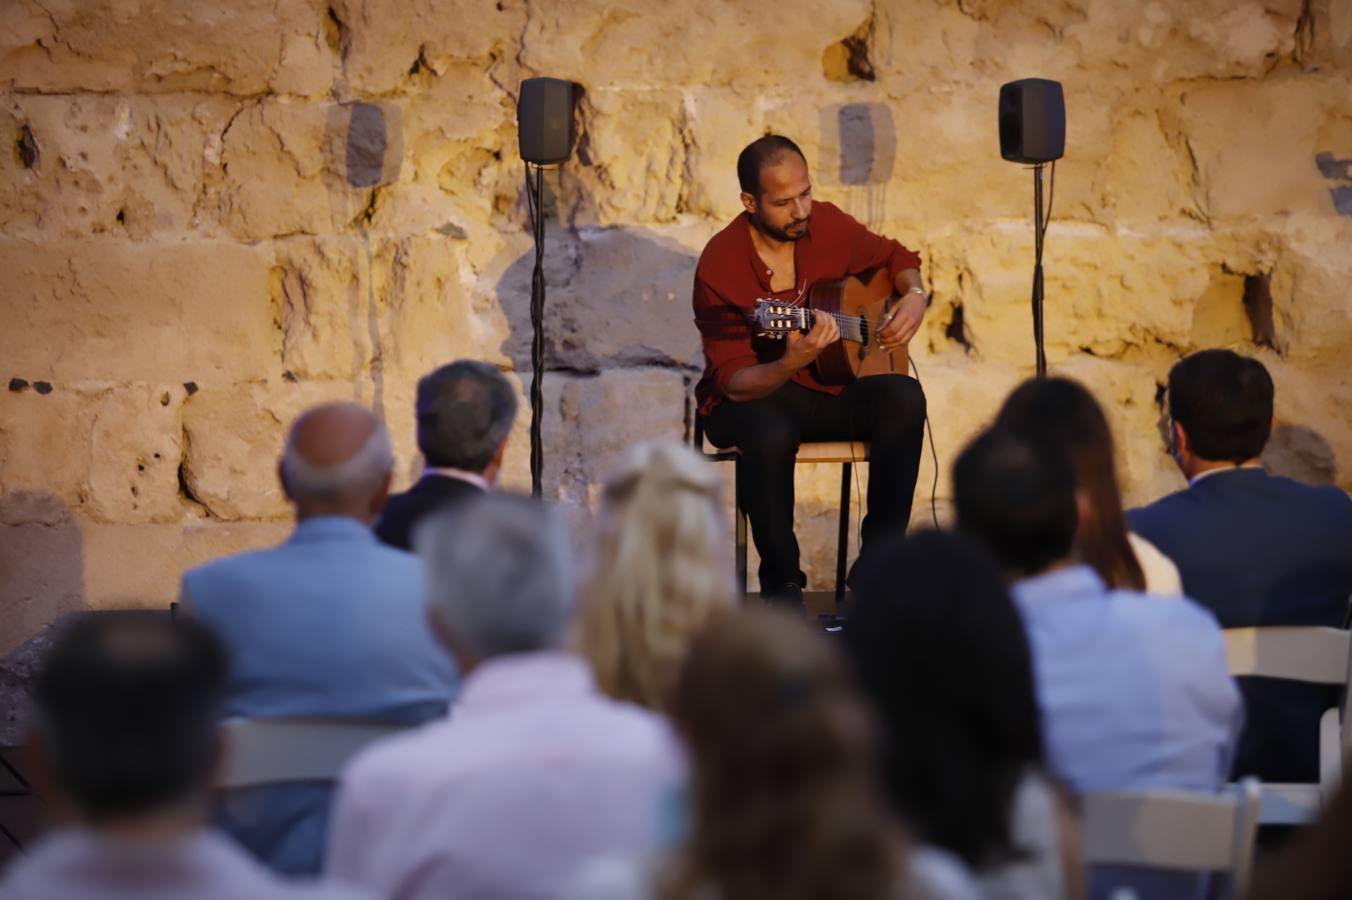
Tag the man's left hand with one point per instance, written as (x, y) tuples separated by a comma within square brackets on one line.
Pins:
[(905, 322)]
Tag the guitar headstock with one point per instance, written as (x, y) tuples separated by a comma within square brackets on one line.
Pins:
[(774, 319)]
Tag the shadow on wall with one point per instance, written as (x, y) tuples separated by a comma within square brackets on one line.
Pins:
[(1301, 453)]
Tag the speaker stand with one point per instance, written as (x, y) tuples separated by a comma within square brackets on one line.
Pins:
[(1040, 220), (534, 197)]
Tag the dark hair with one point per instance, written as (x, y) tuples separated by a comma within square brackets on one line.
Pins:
[(1018, 497), (127, 703), (1063, 412), (1224, 403), (783, 784), (939, 647), (757, 155), (465, 411)]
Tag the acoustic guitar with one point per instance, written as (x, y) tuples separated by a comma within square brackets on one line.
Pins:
[(861, 305)]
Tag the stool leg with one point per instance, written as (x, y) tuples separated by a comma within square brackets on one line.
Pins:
[(739, 525), (843, 541)]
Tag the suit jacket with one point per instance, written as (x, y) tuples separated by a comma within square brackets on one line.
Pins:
[(1256, 550), (403, 511), (330, 623)]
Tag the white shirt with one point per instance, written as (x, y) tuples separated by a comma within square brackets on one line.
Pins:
[(77, 864), (475, 478), (1161, 575), (535, 773)]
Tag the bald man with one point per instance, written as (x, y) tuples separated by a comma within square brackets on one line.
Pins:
[(328, 624)]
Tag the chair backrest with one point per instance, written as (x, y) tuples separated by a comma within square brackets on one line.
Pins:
[(1298, 653), (271, 751), (1177, 830)]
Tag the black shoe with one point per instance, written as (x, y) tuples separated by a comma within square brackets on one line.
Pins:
[(787, 596)]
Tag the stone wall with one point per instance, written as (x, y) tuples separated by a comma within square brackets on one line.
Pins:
[(212, 215)]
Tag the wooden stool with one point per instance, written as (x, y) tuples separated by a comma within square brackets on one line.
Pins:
[(845, 453)]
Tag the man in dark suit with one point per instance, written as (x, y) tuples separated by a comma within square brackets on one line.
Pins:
[(465, 413), (1254, 548)]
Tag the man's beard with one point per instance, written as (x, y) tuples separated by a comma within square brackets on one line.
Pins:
[(782, 234)]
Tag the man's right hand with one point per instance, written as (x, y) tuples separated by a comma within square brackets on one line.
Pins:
[(802, 348)]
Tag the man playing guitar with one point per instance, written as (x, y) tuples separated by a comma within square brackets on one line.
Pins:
[(763, 396)]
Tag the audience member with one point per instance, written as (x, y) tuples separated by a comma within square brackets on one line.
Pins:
[(661, 570), (784, 800), (1253, 548), (465, 414), (1133, 694), (1063, 411), (329, 624), (939, 647), (537, 771), (123, 748)]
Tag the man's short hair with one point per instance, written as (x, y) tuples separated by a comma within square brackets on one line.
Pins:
[(760, 153), (465, 411), (128, 704), (1018, 497), (1224, 403), (498, 574)]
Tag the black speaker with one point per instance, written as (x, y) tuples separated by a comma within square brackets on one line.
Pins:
[(544, 120), (1032, 121)]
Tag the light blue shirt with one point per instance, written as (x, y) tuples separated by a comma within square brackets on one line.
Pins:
[(329, 624), (1134, 690)]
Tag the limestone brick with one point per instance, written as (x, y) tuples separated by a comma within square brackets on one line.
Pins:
[(179, 45), (614, 297), (637, 43), (234, 435), (103, 164), (288, 169), (112, 310)]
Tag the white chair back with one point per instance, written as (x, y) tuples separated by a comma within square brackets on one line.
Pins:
[(270, 751), (1176, 830), (1312, 654)]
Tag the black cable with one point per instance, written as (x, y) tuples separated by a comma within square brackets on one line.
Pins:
[(934, 453), (537, 316)]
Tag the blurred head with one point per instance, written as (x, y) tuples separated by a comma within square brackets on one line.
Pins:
[(1018, 498), (782, 750), (660, 571), (337, 462), (1062, 412), (940, 649), (1220, 404), (465, 413), (776, 189), (499, 577), (125, 713)]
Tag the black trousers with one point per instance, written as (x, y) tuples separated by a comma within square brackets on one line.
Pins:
[(885, 411)]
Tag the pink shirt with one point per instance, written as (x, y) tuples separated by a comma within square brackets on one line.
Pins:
[(78, 864), (534, 773)]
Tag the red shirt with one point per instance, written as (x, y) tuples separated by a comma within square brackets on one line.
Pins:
[(731, 277)]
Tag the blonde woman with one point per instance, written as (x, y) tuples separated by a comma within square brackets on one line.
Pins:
[(661, 569)]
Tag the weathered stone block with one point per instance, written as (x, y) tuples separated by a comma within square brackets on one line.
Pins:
[(290, 168), (389, 46), (721, 43), (106, 164), (175, 46), (235, 434), (111, 310), (1257, 144), (614, 297)]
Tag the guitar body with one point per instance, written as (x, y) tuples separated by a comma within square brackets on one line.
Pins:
[(869, 297)]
